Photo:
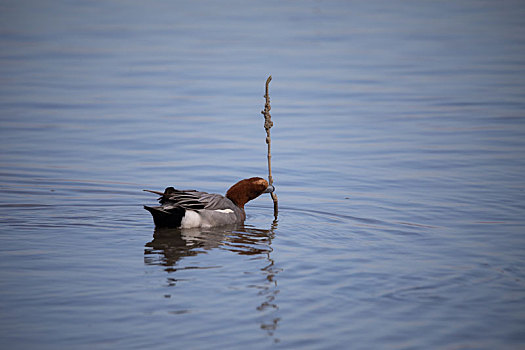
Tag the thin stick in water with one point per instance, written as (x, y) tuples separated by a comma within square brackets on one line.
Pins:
[(267, 125)]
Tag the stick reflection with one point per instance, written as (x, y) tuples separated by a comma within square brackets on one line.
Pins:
[(170, 246)]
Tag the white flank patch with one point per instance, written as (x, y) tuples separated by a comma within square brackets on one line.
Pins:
[(191, 219), (226, 211)]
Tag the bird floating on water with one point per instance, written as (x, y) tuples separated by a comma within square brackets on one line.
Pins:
[(191, 208)]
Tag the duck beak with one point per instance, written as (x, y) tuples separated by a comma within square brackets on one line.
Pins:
[(269, 189)]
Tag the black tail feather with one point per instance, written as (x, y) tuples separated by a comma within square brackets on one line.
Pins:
[(163, 218)]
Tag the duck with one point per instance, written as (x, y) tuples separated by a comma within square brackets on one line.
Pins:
[(192, 208)]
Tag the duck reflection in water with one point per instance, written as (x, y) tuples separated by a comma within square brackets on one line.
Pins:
[(170, 245)]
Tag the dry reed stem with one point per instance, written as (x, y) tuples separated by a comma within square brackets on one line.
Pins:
[(267, 125)]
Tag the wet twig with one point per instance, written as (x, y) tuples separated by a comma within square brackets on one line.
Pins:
[(267, 125)]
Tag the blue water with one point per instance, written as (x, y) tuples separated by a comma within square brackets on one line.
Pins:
[(398, 158)]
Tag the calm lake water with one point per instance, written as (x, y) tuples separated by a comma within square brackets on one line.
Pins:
[(398, 159)]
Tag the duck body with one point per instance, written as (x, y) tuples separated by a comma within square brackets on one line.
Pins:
[(191, 208)]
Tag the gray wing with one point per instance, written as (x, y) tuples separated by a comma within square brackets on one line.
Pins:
[(191, 199)]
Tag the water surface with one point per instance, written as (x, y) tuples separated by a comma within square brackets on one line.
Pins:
[(397, 156)]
